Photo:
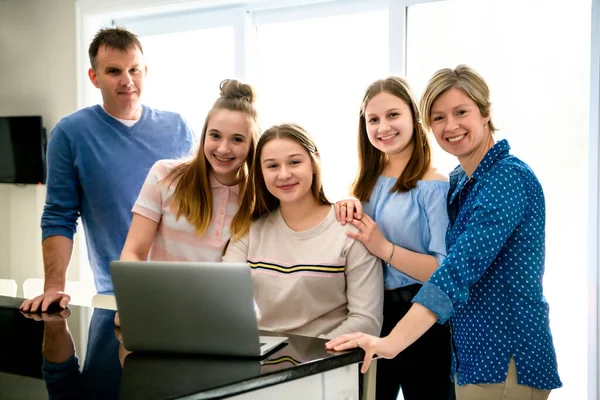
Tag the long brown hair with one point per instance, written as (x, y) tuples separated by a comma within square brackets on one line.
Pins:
[(258, 198), (192, 198), (371, 161)]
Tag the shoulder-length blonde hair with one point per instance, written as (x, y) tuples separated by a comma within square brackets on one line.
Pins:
[(371, 161), (464, 78), (257, 197), (193, 197)]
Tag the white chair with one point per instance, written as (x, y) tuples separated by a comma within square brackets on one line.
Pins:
[(8, 287), (105, 301), (81, 292)]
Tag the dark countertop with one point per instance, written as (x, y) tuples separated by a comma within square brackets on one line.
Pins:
[(102, 369)]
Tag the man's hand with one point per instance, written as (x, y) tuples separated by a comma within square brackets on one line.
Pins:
[(57, 253), (42, 302), (48, 318)]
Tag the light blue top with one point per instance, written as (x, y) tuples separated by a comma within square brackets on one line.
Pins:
[(96, 168), (415, 220)]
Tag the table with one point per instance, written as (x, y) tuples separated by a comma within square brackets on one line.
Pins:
[(90, 362)]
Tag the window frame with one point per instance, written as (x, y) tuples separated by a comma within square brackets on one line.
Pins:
[(594, 207)]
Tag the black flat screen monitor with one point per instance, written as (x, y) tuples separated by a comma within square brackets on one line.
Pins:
[(22, 150)]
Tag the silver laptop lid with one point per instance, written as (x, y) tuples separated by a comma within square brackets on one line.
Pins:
[(186, 307)]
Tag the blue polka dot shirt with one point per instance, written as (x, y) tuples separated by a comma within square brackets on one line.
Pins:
[(490, 283)]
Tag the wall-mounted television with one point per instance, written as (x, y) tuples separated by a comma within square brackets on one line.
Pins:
[(22, 150)]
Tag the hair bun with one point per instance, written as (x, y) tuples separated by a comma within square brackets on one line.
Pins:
[(234, 89)]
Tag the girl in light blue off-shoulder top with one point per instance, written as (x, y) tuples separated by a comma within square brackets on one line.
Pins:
[(415, 220), (490, 283), (404, 224)]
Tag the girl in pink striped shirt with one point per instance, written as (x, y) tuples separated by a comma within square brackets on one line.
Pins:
[(185, 207)]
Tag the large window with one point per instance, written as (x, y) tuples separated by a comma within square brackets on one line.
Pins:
[(185, 69), (313, 72)]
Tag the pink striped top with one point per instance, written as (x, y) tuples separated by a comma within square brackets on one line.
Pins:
[(177, 240)]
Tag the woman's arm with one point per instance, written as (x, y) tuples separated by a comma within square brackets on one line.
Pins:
[(147, 213), (411, 327), (422, 266), (139, 239), (364, 289), (137, 245), (417, 265), (487, 231), (497, 212)]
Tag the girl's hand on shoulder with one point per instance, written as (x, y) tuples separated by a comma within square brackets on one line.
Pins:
[(347, 210), (370, 235)]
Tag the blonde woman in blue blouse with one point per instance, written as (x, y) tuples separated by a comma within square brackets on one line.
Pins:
[(404, 224), (490, 283)]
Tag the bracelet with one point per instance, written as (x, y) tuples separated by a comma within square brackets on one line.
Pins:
[(391, 255)]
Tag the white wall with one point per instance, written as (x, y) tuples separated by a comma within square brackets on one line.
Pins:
[(38, 65)]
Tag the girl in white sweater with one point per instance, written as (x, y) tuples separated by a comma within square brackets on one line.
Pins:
[(309, 277)]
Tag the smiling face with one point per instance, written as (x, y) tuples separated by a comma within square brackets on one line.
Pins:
[(459, 127), (389, 123), (287, 170), (227, 143), (120, 76)]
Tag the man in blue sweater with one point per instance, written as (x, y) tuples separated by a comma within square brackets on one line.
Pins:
[(98, 159)]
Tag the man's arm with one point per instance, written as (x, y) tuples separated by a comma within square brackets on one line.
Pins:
[(59, 222), (58, 346), (57, 253), (60, 366)]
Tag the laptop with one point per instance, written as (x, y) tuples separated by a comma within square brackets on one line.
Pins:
[(189, 307)]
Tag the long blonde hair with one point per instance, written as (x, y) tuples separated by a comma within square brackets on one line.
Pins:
[(192, 198), (371, 160), (258, 198)]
